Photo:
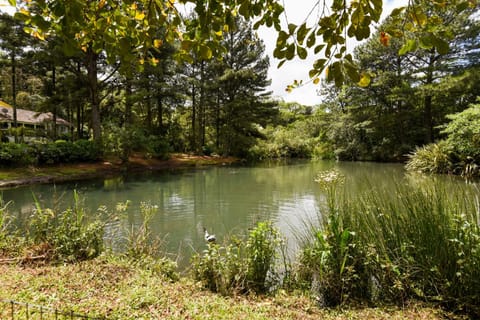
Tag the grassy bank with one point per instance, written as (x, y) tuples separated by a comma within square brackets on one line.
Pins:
[(11, 177), (118, 289)]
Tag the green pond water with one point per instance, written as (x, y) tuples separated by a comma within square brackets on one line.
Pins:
[(226, 200)]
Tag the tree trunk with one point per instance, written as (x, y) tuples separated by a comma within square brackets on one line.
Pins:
[(54, 84), (79, 109), (92, 72), (160, 113), (193, 139), (217, 121), (202, 104), (14, 95), (128, 102), (428, 116), (429, 136)]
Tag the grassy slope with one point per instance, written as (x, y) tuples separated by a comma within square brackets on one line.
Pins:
[(118, 290)]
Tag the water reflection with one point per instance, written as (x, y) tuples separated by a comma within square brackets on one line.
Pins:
[(226, 200)]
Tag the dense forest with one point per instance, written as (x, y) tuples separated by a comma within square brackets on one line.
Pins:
[(216, 100)]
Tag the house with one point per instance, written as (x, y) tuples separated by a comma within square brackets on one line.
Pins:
[(35, 125)]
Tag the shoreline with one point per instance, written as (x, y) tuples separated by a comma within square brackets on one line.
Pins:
[(16, 177)]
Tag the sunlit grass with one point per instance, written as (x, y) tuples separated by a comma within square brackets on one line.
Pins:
[(116, 289)]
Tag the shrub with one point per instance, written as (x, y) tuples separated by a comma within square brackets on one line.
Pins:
[(241, 266), (221, 268), (122, 142), (459, 153), (261, 249), (432, 158), (62, 151), (67, 235), (157, 147), (13, 154), (463, 132)]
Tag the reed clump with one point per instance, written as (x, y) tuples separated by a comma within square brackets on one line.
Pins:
[(418, 243)]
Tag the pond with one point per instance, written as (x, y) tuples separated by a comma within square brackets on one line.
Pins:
[(226, 200)]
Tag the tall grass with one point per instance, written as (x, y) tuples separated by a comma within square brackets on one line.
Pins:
[(382, 247)]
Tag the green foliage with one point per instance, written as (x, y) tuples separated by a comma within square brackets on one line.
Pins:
[(414, 244), (12, 154), (122, 142), (261, 251), (241, 266), (62, 151), (66, 236), (221, 268), (463, 132), (299, 134), (432, 158), (459, 153)]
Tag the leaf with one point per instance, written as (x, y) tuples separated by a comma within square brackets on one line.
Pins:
[(282, 38), (365, 80), (302, 33), (38, 35), (316, 80), (352, 71), (319, 64), (291, 28), (397, 11), (302, 53), (12, 3), (409, 46), (318, 48), (154, 61), (311, 40), (281, 63), (290, 53), (441, 45), (426, 42), (419, 17), (205, 52), (187, 45)]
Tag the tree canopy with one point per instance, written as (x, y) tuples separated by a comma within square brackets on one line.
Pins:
[(123, 30)]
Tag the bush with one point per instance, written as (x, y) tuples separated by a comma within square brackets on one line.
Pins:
[(241, 266), (60, 151), (417, 244), (13, 154), (122, 142), (459, 153), (66, 236), (432, 158)]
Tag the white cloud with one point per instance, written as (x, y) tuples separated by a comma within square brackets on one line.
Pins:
[(298, 69)]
